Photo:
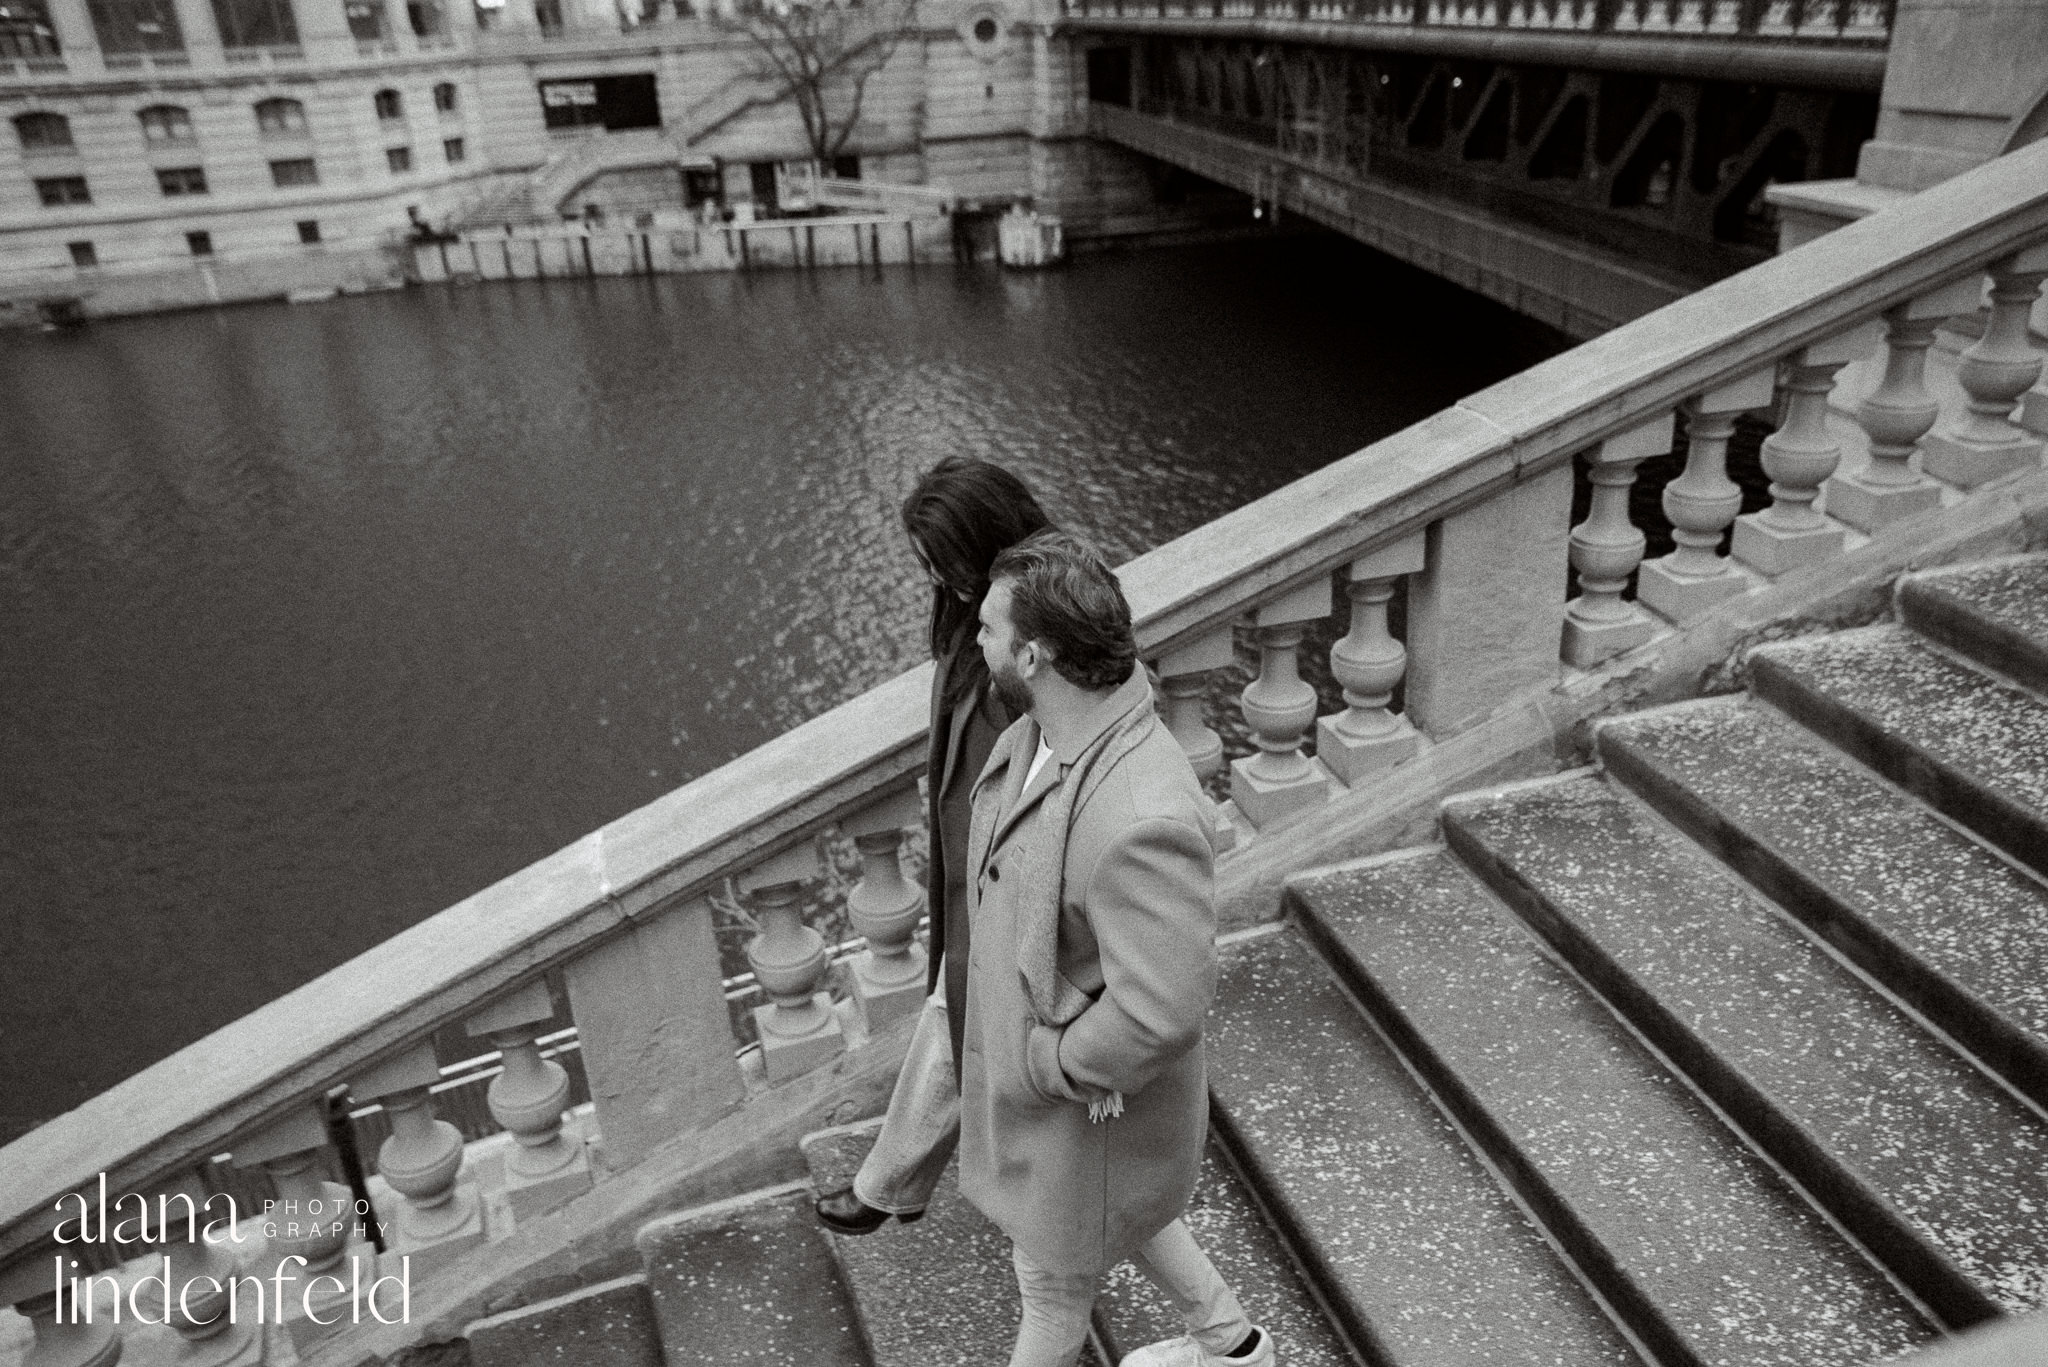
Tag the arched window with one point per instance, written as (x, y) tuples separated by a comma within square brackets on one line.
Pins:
[(165, 125), (444, 97), (280, 118), (389, 105), (43, 132)]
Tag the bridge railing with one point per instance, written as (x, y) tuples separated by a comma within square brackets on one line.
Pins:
[(1855, 21), (1468, 512)]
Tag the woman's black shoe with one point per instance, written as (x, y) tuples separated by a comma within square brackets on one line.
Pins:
[(844, 1213)]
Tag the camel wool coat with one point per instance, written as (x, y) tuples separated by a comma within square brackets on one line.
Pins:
[(1136, 936)]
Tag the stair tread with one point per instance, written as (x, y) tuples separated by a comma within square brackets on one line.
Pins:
[(2009, 595), (1414, 1239), (1960, 1159), (1960, 718), (1936, 892), (753, 1285), (1733, 1260), (941, 1292), (1246, 1251)]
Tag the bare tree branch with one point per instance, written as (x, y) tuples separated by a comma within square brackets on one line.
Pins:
[(820, 56)]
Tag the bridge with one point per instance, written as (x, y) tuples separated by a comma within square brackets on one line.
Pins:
[(1637, 962), (1583, 161)]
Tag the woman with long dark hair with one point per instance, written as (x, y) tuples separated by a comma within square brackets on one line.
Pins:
[(959, 517)]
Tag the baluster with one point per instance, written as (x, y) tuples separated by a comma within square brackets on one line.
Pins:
[(442, 1216), (889, 975), (548, 1163), (1897, 414), (1280, 780), (1798, 457), (199, 1316), (1367, 736), (799, 1028), (1983, 444), (312, 1218), (29, 1284), (1607, 547), (1700, 504), (1183, 683)]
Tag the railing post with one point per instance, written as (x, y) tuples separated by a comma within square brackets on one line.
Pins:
[(200, 1316), (1278, 706), (1984, 444), (1701, 503), (1798, 457), (798, 1029), (442, 1216), (1607, 547), (1183, 678), (889, 975), (1366, 737), (1897, 414), (653, 1030), (546, 1166), (1485, 615), (304, 1223), (29, 1284)]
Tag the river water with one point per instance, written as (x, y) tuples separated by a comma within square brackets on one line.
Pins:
[(314, 620)]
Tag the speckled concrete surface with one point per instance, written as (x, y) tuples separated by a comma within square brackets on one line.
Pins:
[(1997, 612), (1734, 1263), (1873, 851), (1414, 1237), (1988, 732), (609, 1325), (1958, 1158), (938, 1293), (1132, 1312), (756, 1285)]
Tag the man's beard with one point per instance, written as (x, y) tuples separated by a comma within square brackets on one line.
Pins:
[(1010, 689)]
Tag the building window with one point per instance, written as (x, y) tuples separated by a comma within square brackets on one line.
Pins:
[(309, 231), (166, 125), (200, 243), (57, 191), (389, 105), (453, 149), (444, 97), (365, 19), (426, 18), (26, 30), (280, 118), (616, 102), (398, 158), (297, 171), (43, 132), (256, 23), (136, 25), (83, 254), (182, 180)]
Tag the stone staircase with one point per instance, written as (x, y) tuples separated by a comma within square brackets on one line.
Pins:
[(1731, 1049)]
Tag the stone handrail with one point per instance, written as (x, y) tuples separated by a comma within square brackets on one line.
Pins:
[(1469, 506)]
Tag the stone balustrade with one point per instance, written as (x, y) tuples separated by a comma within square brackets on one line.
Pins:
[(1463, 520)]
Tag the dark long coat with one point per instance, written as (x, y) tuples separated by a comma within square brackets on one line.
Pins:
[(1137, 927)]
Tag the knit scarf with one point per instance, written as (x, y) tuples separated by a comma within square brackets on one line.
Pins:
[(1042, 868)]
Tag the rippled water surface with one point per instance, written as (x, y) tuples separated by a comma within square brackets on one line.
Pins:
[(314, 620)]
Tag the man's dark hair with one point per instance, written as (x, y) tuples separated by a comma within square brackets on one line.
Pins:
[(1063, 593)]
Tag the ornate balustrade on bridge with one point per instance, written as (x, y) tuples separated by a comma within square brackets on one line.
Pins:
[(1466, 513), (1854, 21)]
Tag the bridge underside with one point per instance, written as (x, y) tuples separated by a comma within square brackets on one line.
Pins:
[(1580, 196)]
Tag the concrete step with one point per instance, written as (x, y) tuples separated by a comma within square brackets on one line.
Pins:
[(941, 1292), (750, 1282), (1936, 1168), (1227, 1223), (1974, 747), (1996, 613), (611, 1324), (1703, 1249), (1949, 926), (1422, 1257)]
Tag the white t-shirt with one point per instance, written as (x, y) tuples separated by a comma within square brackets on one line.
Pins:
[(1038, 760)]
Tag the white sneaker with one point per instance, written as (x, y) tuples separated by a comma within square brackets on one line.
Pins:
[(1185, 1352)]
